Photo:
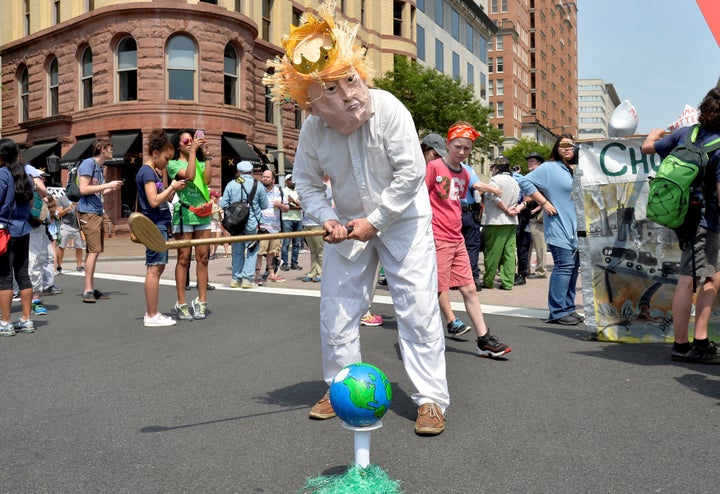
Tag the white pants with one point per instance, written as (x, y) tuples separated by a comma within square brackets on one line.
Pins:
[(40, 260), (345, 296)]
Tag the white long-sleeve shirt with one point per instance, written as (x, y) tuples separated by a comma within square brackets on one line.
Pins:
[(377, 172)]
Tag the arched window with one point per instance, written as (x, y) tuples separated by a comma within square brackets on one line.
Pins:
[(53, 88), (86, 79), (230, 69), (127, 69), (181, 64), (24, 95)]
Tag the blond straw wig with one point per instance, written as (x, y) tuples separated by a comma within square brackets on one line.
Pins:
[(317, 51)]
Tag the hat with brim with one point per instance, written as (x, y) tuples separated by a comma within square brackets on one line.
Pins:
[(535, 155), (245, 167), (434, 141)]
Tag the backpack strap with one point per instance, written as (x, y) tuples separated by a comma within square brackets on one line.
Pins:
[(708, 148)]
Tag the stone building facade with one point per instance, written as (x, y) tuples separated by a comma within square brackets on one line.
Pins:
[(40, 109)]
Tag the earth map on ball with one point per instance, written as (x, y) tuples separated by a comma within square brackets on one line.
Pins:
[(360, 394)]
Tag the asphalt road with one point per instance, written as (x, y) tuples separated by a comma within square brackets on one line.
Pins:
[(93, 402)]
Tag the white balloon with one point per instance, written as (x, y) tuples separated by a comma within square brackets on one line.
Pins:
[(623, 121)]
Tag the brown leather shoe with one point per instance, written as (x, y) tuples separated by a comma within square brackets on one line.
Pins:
[(430, 421), (322, 410)]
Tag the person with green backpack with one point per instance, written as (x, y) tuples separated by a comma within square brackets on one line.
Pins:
[(699, 229)]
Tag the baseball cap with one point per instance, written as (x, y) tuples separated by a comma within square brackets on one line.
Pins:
[(435, 142), (288, 176), (214, 193), (245, 166), (535, 155)]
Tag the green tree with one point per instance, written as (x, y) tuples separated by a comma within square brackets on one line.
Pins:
[(523, 148), (436, 101)]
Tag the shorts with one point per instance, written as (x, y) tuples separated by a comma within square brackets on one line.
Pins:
[(706, 244), (153, 258), (215, 226), (68, 233), (269, 247), (191, 228), (92, 227), (453, 265)]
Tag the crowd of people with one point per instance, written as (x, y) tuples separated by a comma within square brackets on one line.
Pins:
[(382, 197)]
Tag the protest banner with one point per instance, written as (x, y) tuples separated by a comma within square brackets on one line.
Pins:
[(629, 264)]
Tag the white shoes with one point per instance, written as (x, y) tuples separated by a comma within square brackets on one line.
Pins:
[(158, 320)]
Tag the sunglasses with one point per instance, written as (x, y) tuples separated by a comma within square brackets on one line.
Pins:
[(186, 141), (566, 145)]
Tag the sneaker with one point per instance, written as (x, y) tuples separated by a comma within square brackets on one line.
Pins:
[(490, 346), (24, 326), (183, 312), (322, 410), (277, 279), (457, 327), (306, 279), (16, 297), (296, 267), (371, 320), (210, 287), (708, 355), (52, 290), (80, 268), (158, 320), (89, 298), (6, 329), (100, 295), (58, 270), (430, 420), (199, 308), (566, 320), (577, 316), (247, 284), (519, 279), (258, 280), (285, 267), (38, 308), (235, 283)]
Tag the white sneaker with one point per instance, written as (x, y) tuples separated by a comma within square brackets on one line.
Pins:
[(158, 320)]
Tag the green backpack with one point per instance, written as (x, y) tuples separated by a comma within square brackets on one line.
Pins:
[(678, 182)]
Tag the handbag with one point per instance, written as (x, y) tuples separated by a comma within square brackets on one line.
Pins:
[(201, 211), (4, 240)]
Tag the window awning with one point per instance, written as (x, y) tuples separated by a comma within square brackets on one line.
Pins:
[(241, 148), (79, 151), (123, 144), (37, 153)]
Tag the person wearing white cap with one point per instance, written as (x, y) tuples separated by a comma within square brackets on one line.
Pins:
[(244, 254)]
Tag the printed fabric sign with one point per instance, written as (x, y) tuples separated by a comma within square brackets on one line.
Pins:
[(629, 264)]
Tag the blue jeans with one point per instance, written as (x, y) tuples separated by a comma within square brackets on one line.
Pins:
[(243, 261), (291, 226), (563, 280)]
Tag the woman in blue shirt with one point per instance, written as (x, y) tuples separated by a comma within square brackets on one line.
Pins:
[(153, 198), (550, 185), (15, 201)]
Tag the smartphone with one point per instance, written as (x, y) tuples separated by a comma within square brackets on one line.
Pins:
[(200, 134)]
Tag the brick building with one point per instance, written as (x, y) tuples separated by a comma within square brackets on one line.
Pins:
[(533, 69), (73, 71)]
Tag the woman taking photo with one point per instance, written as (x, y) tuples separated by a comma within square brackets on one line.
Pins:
[(188, 164), (550, 185), (154, 198), (16, 196)]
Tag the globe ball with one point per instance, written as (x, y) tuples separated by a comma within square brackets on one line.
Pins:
[(360, 394)]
